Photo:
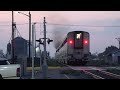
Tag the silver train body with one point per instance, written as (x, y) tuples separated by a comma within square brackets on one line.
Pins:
[(75, 49)]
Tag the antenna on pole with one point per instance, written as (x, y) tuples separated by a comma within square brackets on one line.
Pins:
[(118, 41)]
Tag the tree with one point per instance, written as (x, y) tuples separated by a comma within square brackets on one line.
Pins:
[(108, 50), (2, 54)]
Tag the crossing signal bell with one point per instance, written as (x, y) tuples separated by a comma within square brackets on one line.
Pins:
[(40, 41), (49, 41)]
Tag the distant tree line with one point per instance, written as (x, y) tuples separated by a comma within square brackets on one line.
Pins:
[(108, 50)]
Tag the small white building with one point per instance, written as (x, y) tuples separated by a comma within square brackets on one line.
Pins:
[(116, 57), (113, 58)]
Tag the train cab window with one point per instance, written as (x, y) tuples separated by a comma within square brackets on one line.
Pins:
[(3, 62), (78, 40)]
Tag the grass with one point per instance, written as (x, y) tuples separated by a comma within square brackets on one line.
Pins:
[(52, 63), (38, 68), (101, 63)]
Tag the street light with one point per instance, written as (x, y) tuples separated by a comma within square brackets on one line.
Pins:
[(29, 30)]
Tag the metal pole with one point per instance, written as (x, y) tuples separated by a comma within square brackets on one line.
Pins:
[(33, 49), (45, 42), (40, 58), (118, 41), (119, 44), (45, 67), (35, 43), (12, 37), (29, 36)]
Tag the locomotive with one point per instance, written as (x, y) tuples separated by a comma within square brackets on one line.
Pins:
[(75, 48)]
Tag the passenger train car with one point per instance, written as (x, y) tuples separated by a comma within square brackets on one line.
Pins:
[(75, 48)]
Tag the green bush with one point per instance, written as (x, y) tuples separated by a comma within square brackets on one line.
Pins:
[(97, 63), (52, 62)]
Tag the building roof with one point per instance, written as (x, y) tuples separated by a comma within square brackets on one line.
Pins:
[(116, 52), (19, 38), (110, 54)]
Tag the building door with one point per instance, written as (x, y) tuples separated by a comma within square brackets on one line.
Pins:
[(118, 59)]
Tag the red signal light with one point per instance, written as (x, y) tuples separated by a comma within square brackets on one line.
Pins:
[(85, 41), (70, 42)]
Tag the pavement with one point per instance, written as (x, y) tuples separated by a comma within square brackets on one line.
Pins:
[(53, 73)]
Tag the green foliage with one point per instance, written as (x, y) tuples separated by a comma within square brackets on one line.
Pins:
[(108, 50), (97, 63), (52, 62)]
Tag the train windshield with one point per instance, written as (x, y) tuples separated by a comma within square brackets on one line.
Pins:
[(78, 40)]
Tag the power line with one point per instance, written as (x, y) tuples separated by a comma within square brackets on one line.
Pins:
[(18, 24), (18, 32), (80, 25), (5, 22), (57, 24)]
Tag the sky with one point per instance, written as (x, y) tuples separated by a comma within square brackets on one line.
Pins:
[(100, 37)]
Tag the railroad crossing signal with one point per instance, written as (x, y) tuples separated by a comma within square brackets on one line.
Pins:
[(49, 41), (40, 41)]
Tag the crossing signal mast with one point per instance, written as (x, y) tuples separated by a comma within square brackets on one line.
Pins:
[(118, 41)]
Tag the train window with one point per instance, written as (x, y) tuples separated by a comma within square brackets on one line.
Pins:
[(78, 40), (78, 36), (3, 62)]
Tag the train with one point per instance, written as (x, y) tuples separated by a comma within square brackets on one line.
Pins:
[(75, 48)]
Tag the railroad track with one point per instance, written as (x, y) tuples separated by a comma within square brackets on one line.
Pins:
[(93, 75), (97, 73), (101, 74), (111, 74)]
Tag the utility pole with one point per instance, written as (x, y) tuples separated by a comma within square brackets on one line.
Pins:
[(118, 41), (40, 51), (29, 32), (12, 43), (29, 36), (45, 67)]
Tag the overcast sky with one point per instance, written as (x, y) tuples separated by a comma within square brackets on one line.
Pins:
[(100, 37)]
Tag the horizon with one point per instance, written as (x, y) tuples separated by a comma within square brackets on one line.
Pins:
[(100, 37)]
